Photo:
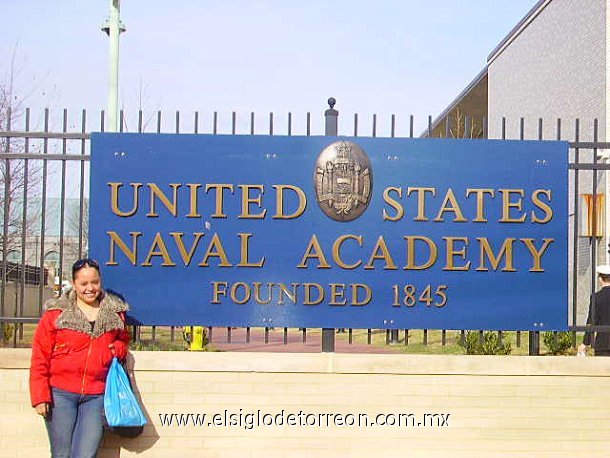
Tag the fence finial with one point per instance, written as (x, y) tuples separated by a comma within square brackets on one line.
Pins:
[(330, 117)]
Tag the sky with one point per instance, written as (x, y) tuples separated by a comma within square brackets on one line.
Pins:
[(402, 57)]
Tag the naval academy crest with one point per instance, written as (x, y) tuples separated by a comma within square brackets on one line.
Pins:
[(343, 180)]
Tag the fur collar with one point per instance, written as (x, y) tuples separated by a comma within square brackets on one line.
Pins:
[(71, 316)]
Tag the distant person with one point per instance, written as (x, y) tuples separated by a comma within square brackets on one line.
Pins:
[(75, 341), (599, 317)]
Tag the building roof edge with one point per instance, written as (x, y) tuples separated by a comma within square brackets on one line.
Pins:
[(477, 79), (517, 29)]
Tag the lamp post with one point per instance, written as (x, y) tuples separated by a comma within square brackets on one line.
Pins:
[(113, 28)]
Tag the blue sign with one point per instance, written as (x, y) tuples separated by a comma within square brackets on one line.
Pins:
[(332, 232)]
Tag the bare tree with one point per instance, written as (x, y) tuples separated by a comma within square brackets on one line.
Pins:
[(78, 246), (145, 114), (464, 126), (18, 177)]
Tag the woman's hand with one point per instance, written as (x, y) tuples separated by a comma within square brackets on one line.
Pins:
[(43, 409), (118, 349)]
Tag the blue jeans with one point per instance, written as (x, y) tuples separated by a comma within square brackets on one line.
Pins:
[(75, 425)]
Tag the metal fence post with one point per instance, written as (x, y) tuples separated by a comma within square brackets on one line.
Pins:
[(5, 211), (534, 344), (330, 121), (393, 336)]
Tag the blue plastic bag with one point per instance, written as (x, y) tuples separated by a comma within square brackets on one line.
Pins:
[(120, 404)]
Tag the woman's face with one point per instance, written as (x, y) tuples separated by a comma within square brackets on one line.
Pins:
[(87, 285)]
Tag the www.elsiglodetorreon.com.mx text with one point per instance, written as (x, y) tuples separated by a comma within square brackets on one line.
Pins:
[(282, 418)]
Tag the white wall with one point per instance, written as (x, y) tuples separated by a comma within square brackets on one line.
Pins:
[(498, 406), (554, 68)]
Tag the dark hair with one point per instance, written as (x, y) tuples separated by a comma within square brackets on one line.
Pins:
[(85, 262)]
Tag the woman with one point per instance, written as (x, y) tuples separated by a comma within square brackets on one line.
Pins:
[(73, 347)]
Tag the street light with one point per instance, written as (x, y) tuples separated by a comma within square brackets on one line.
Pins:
[(113, 28)]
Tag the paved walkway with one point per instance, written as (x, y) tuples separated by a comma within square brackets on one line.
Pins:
[(237, 341)]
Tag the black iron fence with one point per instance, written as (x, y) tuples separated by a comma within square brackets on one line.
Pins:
[(44, 204)]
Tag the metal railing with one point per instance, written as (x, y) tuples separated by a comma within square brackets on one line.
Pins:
[(43, 169)]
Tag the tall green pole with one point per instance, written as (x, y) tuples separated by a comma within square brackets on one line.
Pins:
[(113, 28)]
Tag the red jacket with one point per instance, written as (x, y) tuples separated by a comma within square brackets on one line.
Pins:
[(69, 355)]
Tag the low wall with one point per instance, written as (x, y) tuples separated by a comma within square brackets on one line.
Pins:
[(449, 406)]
